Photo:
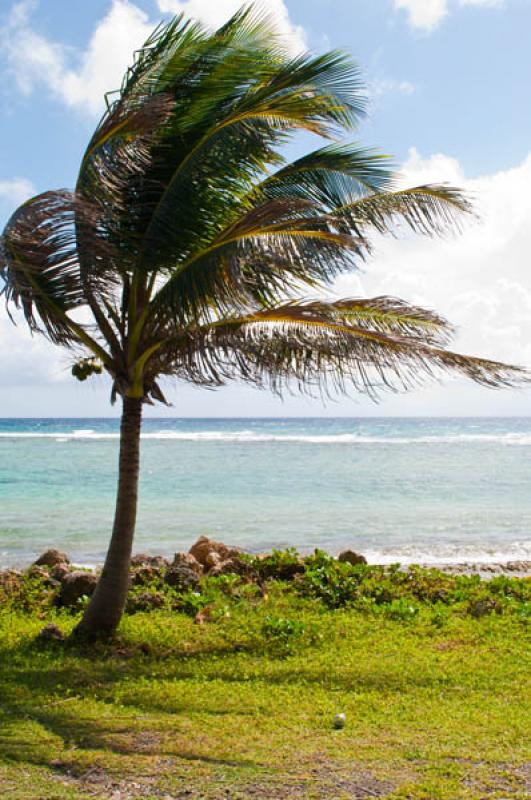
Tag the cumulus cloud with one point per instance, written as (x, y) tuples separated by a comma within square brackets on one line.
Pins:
[(28, 360), (25, 360), (427, 14), (479, 280), (13, 192), (216, 13), (78, 78)]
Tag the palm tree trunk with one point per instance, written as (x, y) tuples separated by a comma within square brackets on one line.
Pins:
[(107, 604)]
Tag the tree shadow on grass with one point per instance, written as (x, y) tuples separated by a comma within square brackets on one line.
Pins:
[(30, 696), (34, 676)]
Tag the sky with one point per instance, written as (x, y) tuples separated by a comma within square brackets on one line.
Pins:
[(449, 98)]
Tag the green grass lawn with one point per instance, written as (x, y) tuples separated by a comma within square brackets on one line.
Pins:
[(242, 706)]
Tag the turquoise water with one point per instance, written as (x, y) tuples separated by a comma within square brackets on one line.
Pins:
[(396, 489)]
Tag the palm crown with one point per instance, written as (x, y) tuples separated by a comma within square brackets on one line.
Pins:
[(194, 243)]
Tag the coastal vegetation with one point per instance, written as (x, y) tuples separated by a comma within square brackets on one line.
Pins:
[(190, 245), (228, 686)]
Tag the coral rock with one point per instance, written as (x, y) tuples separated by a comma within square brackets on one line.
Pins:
[(10, 580), (143, 560), (144, 575), (212, 560), (59, 572), (204, 549), (351, 557), (51, 558), (189, 561), (183, 579), (76, 585), (231, 566)]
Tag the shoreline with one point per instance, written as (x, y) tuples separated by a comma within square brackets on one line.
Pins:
[(515, 568)]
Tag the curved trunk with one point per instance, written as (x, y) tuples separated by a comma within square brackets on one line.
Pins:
[(107, 604)]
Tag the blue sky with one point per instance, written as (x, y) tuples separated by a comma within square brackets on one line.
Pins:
[(449, 85)]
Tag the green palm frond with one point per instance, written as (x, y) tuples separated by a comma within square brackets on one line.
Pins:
[(256, 266), (433, 209), (330, 175)]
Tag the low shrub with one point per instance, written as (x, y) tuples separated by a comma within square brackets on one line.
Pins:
[(280, 565)]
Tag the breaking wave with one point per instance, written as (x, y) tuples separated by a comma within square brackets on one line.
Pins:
[(248, 436)]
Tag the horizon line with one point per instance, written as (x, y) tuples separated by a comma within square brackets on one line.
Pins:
[(289, 416)]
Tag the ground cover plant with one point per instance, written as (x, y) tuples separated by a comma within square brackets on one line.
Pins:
[(230, 689)]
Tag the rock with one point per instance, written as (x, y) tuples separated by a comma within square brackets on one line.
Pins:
[(524, 567), (231, 566), (144, 575), (10, 580), (51, 558), (189, 561), (183, 579), (59, 572), (213, 560), (219, 569), (76, 585), (205, 547), (50, 633), (146, 601), (351, 557), (143, 560)]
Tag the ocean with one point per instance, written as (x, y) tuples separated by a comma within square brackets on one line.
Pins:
[(413, 490)]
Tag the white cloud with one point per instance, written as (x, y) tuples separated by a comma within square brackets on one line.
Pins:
[(480, 279), (79, 79), (425, 14), (382, 86), (15, 191), (492, 3), (215, 12), (27, 360)]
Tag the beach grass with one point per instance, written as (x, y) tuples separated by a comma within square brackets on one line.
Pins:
[(243, 705)]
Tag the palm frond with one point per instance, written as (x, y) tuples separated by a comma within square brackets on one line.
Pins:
[(298, 347), (382, 314), (256, 263), (39, 260), (240, 104), (330, 176), (433, 209)]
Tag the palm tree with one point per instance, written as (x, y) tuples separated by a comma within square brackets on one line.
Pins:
[(189, 244)]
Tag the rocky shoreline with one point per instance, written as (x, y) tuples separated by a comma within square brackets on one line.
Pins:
[(207, 558), (514, 569)]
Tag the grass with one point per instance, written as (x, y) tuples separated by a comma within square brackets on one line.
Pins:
[(242, 706)]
